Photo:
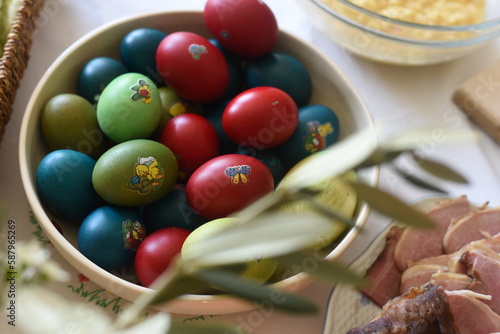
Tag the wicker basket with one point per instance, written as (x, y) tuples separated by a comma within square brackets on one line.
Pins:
[(15, 56)]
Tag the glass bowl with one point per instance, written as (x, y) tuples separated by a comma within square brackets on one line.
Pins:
[(391, 40)]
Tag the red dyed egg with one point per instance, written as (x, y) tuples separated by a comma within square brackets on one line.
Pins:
[(192, 66), (261, 117), (157, 251), (247, 28), (226, 184), (192, 139)]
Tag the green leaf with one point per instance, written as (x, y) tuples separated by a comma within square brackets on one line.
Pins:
[(392, 207), (256, 292), (410, 140), (334, 160), (318, 267), (419, 182), (203, 327), (269, 235), (439, 170), (179, 286)]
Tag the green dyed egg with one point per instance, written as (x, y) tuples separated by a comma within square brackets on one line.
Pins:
[(129, 108), (70, 122), (134, 173)]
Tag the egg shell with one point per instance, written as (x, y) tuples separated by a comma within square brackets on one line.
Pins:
[(138, 51), (226, 184), (172, 211), (192, 139), (109, 236), (247, 28), (280, 70), (70, 122), (96, 74), (134, 173), (269, 158), (64, 184), (192, 66), (235, 66), (129, 108), (260, 117), (318, 128), (213, 113), (157, 251)]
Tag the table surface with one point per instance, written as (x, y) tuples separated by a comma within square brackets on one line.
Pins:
[(403, 96)]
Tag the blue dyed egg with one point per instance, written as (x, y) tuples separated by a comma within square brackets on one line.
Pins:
[(269, 158), (95, 75), (109, 236), (213, 113), (318, 128), (172, 211), (282, 71), (64, 184), (235, 85), (138, 51)]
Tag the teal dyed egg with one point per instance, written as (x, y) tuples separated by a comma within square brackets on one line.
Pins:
[(109, 236), (135, 173), (318, 128), (129, 108), (96, 74), (283, 71), (64, 184)]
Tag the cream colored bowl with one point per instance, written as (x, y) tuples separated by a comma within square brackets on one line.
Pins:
[(330, 86)]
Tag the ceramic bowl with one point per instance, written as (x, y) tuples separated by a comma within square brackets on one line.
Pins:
[(384, 39), (330, 87)]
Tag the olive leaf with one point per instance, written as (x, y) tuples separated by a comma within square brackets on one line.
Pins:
[(334, 160), (438, 169), (255, 292), (269, 235), (315, 265), (390, 206), (419, 182)]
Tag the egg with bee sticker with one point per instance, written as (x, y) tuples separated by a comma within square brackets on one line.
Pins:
[(227, 184)]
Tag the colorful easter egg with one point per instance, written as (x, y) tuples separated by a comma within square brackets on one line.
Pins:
[(64, 184), (134, 173), (192, 66), (129, 108), (70, 122), (110, 236), (226, 184)]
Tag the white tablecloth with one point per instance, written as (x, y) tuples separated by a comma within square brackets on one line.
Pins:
[(405, 96)]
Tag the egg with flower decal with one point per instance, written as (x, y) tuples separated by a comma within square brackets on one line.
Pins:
[(129, 108), (135, 173)]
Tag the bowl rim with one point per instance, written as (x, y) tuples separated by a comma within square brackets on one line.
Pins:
[(95, 273), (491, 28)]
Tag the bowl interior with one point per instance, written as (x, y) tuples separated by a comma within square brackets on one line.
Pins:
[(330, 88)]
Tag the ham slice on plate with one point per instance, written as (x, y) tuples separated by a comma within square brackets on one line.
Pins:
[(418, 275), (384, 276), (416, 244), (471, 314), (451, 281), (477, 225)]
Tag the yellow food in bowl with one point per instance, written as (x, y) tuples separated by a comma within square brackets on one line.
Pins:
[(428, 12)]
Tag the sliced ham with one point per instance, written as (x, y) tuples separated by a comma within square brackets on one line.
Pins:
[(452, 281), (418, 275), (454, 264), (479, 224), (471, 314), (416, 244), (438, 260), (484, 267), (384, 276)]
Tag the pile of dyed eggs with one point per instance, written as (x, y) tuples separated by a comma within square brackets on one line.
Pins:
[(181, 131)]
